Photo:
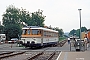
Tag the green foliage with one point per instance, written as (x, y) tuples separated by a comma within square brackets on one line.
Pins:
[(77, 32), (12, 31), (16, 16), (72, 32), (37, 19), (11, 16), (11, 22), (61, 38), (24, 17), (83, 29), (14, 19), (1, 29), (60, 31), (32, 19)]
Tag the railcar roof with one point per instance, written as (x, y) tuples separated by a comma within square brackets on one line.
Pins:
[(46, 29), (2, 34)]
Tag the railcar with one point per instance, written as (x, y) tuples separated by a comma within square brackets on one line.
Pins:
[(38, 36)]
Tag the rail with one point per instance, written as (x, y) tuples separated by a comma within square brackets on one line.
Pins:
[(51, 56), (61, 43), (44, 55), (31, 55), (11, 54), (5, 53), (31, 58)]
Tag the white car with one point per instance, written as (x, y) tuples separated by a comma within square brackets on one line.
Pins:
[(14, 40), (9, 41)]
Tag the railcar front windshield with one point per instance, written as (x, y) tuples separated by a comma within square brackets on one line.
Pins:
[(24, 31), (28, 32), (35, 31)]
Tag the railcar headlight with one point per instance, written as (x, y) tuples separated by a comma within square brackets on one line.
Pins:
[(32, 42), (28, 42), (20, 42)]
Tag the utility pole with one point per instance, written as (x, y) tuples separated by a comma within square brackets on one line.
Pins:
[(80, 21)]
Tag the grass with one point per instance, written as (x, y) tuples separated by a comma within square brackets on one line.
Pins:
[(61, 38)]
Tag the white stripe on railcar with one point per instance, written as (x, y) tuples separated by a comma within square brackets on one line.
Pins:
[(45, 29)]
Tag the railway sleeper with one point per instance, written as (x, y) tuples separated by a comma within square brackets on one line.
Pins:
[(5, 53), (31, 58), (9, 55), (51, 55)]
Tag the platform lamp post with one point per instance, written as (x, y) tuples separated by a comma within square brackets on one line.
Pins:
[(80, 21)]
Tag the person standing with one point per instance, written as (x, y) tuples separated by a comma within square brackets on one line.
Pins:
[(86, 43), (68, 40)]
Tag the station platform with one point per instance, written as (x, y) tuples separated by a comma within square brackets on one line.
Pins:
[(73, 55)]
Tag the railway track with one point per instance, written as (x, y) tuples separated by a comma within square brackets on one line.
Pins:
[(32, 55), (61, 43), (9, 54), (43, 56)]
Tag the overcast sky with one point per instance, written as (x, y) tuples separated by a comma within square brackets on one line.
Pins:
[(59, 13)]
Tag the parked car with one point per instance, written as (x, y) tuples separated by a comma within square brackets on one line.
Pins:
[(9, 41), (13, 40)]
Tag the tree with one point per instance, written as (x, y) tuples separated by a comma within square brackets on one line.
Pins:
[(37, 19), (83, 29), (11, 16), (11, 21), (14, 16), (72, 32), (12, 31), (78, 32), (1, 29), (25, 17), (60, 31)]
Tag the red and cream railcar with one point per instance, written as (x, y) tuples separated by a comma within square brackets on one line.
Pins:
[(38, 36)]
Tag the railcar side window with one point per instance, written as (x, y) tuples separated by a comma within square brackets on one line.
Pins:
[(40, 31), (44, 33), (35, 32), (24, 32)]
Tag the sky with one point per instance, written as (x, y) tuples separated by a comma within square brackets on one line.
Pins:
[(63, 14)]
